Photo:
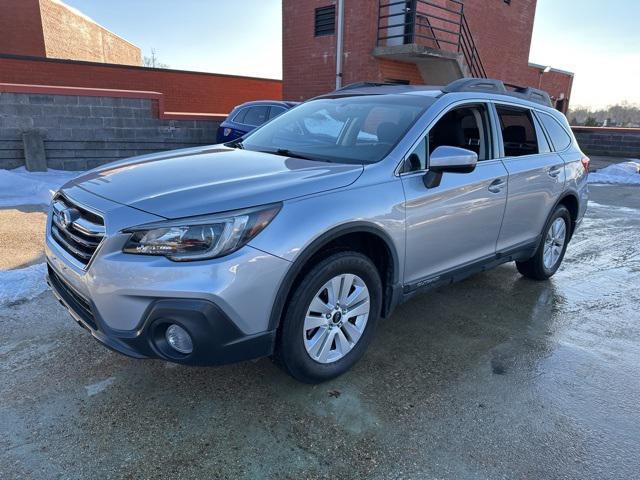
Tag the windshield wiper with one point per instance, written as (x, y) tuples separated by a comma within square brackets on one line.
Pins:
[(288, 153), (235, 144), (285, 152)]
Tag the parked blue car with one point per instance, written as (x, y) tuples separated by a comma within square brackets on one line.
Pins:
[(249, 116)]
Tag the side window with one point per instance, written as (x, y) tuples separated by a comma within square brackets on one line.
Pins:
[(256, 116), (275, 111), (417, 160), (518, 131), (239, 118), (543, 144), (559, 136), (466, 127)]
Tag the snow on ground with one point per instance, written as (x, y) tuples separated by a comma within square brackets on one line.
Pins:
[(625, 173), (22, 284), (20, 187)]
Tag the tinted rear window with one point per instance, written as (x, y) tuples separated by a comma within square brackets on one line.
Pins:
[(239, 117), (256, 116), (275, 111), (559, 136)]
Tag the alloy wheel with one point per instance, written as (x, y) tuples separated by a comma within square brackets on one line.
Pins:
[(336, 318), (554, 243)]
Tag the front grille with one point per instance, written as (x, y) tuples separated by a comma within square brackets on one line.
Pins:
[(77, 230), (73, 300)]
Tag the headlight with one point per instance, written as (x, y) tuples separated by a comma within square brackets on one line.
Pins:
[(200, 238)]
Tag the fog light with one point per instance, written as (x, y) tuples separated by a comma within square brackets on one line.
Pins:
[(179, 339)]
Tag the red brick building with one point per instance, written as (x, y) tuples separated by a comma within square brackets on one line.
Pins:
[(46, 43), (49, 28), (413, 41)]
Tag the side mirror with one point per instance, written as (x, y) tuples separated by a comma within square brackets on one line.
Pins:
[(449, 159)]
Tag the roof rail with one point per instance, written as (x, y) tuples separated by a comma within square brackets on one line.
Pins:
[(351, 86), (488, 85)]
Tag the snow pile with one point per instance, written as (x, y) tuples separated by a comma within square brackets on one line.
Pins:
[(22, 284), (626, 173), (20, 187)]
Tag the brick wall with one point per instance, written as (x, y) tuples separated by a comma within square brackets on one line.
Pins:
[(308, 63), (615, 142), (69, 35), (49, 28), (502, 33), (190, 92), (21, 28), (83, 132)]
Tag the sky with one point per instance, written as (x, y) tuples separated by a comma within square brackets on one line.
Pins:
[(597, 40)]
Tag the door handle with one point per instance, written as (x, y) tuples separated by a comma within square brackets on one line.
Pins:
[(554, 171), (496, 185)]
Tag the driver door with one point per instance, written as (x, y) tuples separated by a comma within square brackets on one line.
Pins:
[(458, 222)]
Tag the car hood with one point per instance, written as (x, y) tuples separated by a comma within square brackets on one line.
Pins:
[(198, 181)]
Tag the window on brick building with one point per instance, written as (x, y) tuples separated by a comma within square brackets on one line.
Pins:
[(325, 21)]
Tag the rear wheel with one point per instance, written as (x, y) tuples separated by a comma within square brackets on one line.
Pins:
[(552, 248), (331, 318)]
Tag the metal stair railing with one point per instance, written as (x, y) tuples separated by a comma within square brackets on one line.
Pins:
[(433, 23)]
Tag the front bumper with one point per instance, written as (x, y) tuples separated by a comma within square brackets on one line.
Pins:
[(127, 301), (216, 339)]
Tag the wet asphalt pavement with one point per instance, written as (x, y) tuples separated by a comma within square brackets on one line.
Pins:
[(497, 377)]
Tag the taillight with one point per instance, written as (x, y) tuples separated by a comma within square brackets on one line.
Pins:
[(585, 163)]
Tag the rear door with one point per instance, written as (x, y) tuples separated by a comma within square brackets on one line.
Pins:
[(458, 222), (536, 175)]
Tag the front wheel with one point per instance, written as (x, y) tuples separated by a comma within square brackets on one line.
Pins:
[(552, 248), (331, 318)]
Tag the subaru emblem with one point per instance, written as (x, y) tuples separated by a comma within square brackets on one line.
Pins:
[(68, 216)]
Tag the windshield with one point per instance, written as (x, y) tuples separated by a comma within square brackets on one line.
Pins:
[(355, 129)]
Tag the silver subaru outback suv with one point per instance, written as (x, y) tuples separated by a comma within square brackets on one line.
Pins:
[(295, 240)]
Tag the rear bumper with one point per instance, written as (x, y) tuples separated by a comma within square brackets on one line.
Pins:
[(216, 339)]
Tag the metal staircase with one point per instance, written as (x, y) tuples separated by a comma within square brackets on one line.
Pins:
[(434, 30)]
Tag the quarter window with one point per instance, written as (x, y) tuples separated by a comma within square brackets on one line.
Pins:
[(275, 111), (256, 116), (417, 160), (559, 136), (239, 118), (518, 132)]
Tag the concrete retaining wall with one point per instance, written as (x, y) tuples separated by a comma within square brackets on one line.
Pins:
[(613, 142), (83, 131)]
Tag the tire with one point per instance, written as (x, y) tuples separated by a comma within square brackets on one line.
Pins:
[(314, 354), (545, 262)]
